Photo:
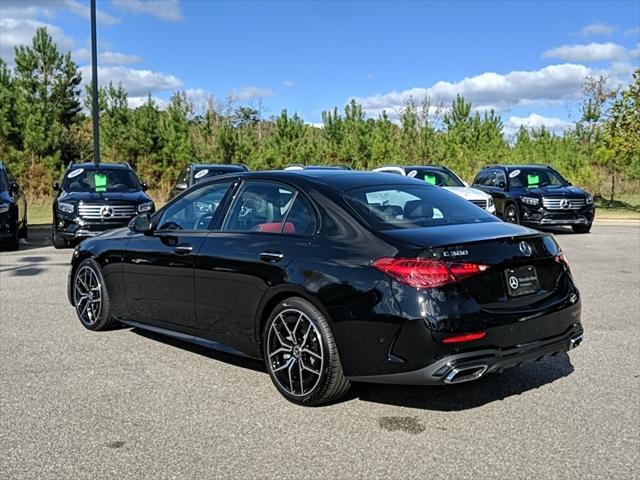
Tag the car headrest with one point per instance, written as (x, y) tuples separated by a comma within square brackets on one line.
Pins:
[(417, 209), (390, 212)]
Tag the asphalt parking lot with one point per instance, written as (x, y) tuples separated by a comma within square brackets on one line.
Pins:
[(127, 404)]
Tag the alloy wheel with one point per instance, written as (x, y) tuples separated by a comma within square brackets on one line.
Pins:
[(295, 352), (88, 295), (512, 215)]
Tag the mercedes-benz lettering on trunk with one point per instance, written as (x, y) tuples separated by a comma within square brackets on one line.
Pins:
[(335, 276)]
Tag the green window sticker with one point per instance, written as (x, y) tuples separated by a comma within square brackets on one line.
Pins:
[(430, 179), (100, 181), (533, 180)]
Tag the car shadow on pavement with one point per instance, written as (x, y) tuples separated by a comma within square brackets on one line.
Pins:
[(236, 360), (464, 396)]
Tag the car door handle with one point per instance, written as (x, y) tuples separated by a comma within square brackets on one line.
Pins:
[(271, 256), (183, 249)]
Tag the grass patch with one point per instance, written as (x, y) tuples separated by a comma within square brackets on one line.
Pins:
[(39, 213), (623, 207)]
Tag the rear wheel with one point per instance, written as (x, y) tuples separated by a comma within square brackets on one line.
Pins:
[(581, 228), (511, 214), (91, 298), (301, 354)]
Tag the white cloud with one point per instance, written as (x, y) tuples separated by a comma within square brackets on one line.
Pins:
[(106, 58), (633, 32), (596, 29), (163, 9), (554, 83), (635, 53), (289, 83), (137, 83), (48, 8), (20, 31), (593, 52), (135, 102), (249, 92), (533, 120)]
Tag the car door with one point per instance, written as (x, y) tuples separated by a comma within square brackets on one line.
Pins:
[(159, 267), (18, 197), (268, 225)]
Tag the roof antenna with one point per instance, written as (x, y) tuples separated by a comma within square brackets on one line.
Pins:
[(94, 87)]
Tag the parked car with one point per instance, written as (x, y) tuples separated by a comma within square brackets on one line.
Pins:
[(445, 178), (536, 195), (197, 172), (94, 198), (13, 210), (332, 277)]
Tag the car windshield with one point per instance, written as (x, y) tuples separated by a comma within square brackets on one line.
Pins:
[(4, 185), (535, 178), (413, 206), (203, 173), (440, 178), (100, 180)]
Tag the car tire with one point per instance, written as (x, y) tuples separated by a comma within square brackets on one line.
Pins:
[(511, 214), (300, 354), (581, 228), (58, 241), (91, 298)]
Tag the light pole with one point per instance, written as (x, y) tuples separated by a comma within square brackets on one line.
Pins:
[(94, 86)]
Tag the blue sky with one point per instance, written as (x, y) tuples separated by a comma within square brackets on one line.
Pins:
[(525, 59)]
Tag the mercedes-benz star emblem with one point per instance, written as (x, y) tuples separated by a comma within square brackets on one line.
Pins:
[(513, 283), (106, 211), (565, 203), (525, 248)]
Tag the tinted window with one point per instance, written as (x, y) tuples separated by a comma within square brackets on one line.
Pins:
[(100, 180), (261, 207), (195, 210), (408, 206), (4, 183), (440, 178), (535, 177), (300, 219)]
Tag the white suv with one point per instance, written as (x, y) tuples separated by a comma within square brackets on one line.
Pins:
[(445, 178)]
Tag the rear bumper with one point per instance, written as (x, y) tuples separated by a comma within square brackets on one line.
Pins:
[(461, 367)]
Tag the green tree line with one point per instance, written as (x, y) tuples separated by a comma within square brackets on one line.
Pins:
[(43, 126)]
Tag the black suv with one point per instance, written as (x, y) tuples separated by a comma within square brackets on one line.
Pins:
[(13, 210), (536, 195), (94, 198), (196, 172)]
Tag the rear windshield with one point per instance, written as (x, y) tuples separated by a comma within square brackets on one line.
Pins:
[(100, 180), (203, 173), (440, 178), (386, 207)]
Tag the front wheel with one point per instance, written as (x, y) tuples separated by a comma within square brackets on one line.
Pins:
[(90, 297), (58, 241), (301, 356), (581, 228), (511, 214)]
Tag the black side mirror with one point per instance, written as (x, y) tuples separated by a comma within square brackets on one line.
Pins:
[(56, 186), (181, 186), (141, 224), (14, 188), (144, 186)]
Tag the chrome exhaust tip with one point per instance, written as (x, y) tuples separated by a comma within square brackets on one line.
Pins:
[(465, 373), (575, 341)]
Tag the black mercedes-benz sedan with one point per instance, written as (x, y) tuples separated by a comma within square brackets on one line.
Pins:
[(332, 277)]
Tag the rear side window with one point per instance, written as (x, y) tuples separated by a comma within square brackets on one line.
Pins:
[(408, 206)]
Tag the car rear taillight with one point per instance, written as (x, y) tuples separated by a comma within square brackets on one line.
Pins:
[(560, 258), (427, 273), (467, 337)]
